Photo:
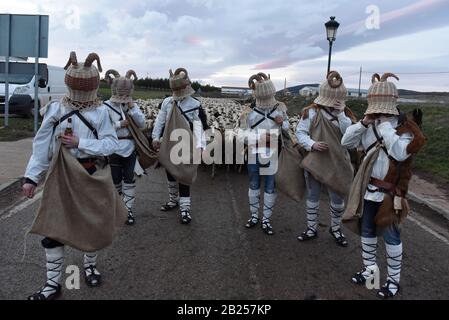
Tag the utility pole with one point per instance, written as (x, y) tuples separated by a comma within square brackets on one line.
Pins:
[(360, 82)]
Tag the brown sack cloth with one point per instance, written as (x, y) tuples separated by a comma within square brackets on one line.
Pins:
[(333, 167), (146, 155), (183, 173), (77, 209), (354, 207), (290, 176)]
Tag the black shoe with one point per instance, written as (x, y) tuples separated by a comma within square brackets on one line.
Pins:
[(306, 237), (185, 217), (267, 228), (169, 206), (359, 278), (131, 219), (385, 292), (47, 287), (339, 237), (254, 221), (92, 279)]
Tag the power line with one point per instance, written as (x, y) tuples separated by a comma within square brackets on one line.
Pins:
[(413, 73)]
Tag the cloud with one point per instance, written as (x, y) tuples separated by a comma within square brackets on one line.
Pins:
[(211, 37)]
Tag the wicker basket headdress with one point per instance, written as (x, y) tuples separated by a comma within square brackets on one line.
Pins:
[(122, 87), (263, 90), (82, 80), (180, 84), (333, 92), (383, 95)]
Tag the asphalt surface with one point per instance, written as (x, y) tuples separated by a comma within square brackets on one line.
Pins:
[(217, 258)]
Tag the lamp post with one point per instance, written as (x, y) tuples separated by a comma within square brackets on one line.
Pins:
[(331, 31)]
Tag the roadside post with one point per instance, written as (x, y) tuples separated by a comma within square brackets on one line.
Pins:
[(23, 36)]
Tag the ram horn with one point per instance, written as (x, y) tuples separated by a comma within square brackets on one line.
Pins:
[(91, 58), (72, 60), (131, 73), (109, 73), (334, 79), (375, 77), (388, 75)]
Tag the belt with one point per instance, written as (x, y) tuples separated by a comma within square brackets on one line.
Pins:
[(87, 163), (383, 186), (126, 138)]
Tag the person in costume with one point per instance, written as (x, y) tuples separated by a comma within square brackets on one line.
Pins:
[(266, 118), (123, 161), (376, 206), (180, 84), (79, 207), (327, 164)]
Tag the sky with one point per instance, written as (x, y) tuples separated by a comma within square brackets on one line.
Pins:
[(224, 42)]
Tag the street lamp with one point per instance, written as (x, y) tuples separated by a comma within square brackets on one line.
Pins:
[(331, 31)]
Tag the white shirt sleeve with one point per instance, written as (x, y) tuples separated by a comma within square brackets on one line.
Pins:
[(286, 123), (200, 136), (303, 131), (395, 144), (107, 142), (39, 161), (353, 136), (344, 121), (160, 121), (137, 116)]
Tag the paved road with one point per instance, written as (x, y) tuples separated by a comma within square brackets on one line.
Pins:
[(217, 258)]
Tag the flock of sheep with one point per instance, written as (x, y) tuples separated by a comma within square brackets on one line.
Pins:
[(222, 114)]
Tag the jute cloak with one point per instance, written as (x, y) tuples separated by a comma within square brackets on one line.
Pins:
[(147, 157), (354, 208), (184, 173), (77, 209), (290, 175), (333, 167)]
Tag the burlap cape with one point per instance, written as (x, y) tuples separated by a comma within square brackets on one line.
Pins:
[(77, 209), (333, 167), (184, 173), (147, 157), (354, 207), (290, 178)]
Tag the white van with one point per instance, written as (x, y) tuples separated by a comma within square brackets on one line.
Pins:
[(21, 90)]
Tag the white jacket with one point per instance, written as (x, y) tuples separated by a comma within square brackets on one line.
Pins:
[(185, 104), (126, 146), (89, 146), (303, 128), (359, 136)]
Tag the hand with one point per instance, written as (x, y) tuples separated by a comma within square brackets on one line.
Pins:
[(70, 142), (130, 105), (28, 190), (124, 123), (337, 107), (279, 120), (156, 145), (369, 119), (320, 146)]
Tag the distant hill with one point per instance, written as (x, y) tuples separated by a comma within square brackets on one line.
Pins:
[(402, 92)]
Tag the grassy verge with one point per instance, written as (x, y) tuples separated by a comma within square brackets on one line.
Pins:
[(433, 159), (105, 94), (19, 128)]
